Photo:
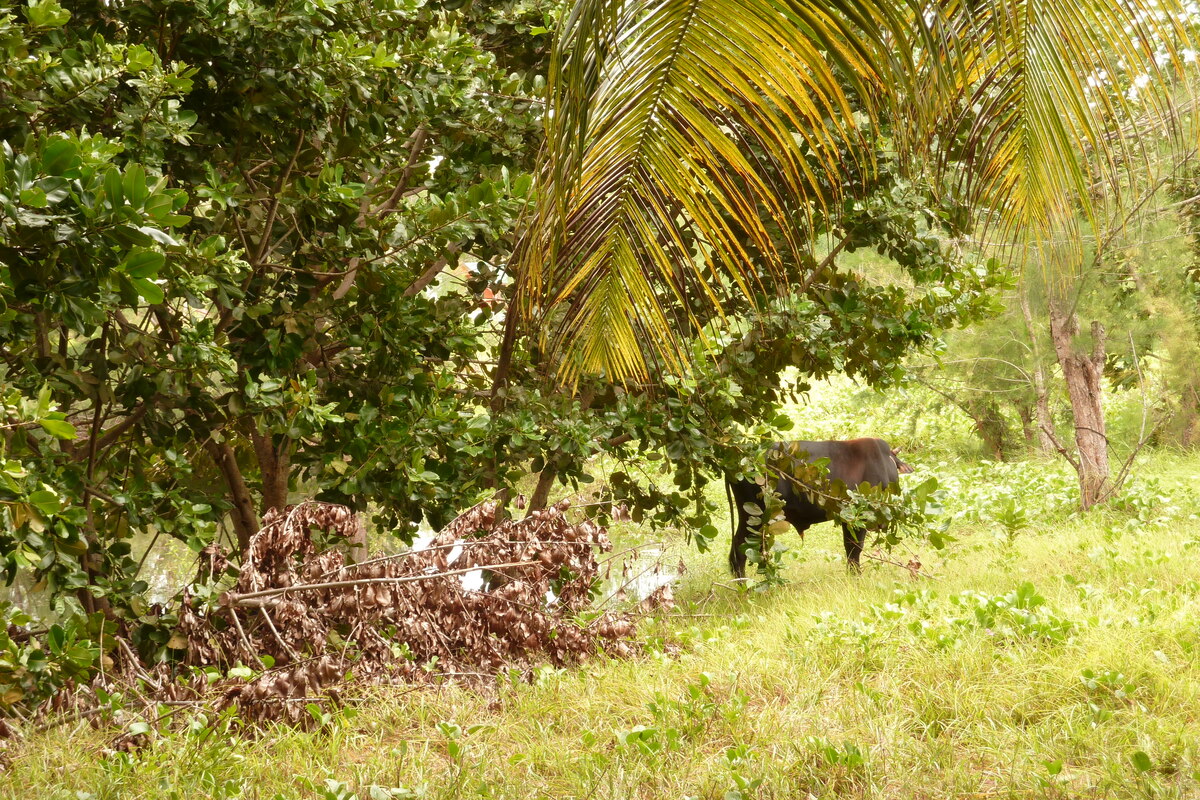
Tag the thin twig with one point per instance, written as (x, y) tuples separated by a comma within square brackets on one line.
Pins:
[(247, 599), (237, 623), (135, 663), (909, 569), (287, 648)]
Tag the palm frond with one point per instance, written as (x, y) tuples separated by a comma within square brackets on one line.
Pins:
[(1056, 105), (688, 141)]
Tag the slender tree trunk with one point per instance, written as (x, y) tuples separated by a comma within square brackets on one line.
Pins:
[(541, 493), (245, 520), (1190, 411), (1025, 414), (1041, 406), (1084, 374), (358, 542)]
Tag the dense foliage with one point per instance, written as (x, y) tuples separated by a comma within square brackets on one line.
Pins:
[(253, 252), (218, 222)]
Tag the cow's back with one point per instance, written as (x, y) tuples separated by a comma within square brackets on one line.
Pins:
[(852, 461)]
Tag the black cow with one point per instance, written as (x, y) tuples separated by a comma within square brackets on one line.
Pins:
[(852, 462)]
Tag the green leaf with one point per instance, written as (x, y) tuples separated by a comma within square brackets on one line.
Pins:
[(80, 655), (56, 639), (143, 264), (46, 14), (150, 290), (59, 155), (1141, 761), (134, 185), (46, 501), (33, 197), (60, 429), (138, 59), (112, 187)]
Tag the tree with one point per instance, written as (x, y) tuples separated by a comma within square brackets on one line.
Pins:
[(226, 235), (691, 158)]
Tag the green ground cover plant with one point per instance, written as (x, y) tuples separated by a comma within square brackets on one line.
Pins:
[(1059, 662)]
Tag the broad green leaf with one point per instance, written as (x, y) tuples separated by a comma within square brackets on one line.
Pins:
[(59, 155), (56, 639), (149, 290), (138, 59), (112, 187), (46, 14), (46, 501), (58, 428), (134, 185), (143, 264), (33, 197)]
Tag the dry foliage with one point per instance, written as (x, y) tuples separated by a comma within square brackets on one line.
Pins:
[(405, 618)]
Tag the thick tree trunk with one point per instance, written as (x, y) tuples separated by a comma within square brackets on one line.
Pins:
[(541, 493), (245, 520), (1084, 374), (273, 462)]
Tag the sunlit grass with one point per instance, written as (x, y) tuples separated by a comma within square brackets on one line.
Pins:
[(831, 686)]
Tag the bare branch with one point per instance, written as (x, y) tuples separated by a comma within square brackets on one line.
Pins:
[(265, 597)]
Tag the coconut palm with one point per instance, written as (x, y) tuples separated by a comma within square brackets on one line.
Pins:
[(692, 143)]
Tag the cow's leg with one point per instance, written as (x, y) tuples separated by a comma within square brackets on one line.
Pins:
[(853, 539), (737, 551), (741, 494)]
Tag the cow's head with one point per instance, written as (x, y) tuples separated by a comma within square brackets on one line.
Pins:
[(903, 468)]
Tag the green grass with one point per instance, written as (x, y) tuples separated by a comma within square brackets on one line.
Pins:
[(832, 686)]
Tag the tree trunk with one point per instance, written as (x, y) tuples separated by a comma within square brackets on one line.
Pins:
[(245, 521), (1084, 373), (357, 541), (1025, 414), (1045, 423), (1041, 406), (541, 494), (273, 462)]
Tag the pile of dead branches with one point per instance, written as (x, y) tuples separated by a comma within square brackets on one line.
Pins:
[(487, 593)]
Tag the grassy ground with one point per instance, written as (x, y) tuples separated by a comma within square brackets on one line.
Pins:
[(1050, 656)]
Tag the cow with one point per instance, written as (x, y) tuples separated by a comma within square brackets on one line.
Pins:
[(853, 463)]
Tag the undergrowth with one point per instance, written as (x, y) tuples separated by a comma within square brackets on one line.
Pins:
[(1050, 655)]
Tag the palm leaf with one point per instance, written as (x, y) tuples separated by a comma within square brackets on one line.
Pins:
[(687, 143), (1056, 106)]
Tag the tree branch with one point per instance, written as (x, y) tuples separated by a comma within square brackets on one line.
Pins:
[(265, 597), (265, 242), (389, 205), (245, 520)]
